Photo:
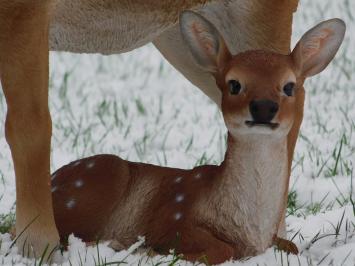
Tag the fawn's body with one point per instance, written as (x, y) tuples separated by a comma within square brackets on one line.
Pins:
[(221, 212)]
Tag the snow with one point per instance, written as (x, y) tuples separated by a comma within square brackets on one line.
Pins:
[(137, 106)]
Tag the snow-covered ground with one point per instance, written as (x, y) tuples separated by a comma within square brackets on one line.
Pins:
[(137, 106)]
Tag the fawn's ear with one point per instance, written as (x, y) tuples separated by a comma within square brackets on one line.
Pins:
[(318, 47), (206, 44)]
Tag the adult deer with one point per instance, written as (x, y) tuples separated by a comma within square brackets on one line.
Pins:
[(211, 212), (107, 27)]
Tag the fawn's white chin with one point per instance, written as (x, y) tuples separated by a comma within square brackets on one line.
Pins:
[(260, 129), (262, 124), (252, 128)]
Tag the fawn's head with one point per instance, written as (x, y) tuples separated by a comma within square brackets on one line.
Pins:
[(260, 88)]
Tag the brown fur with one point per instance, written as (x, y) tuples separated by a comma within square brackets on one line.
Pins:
[(24, 79), (80, 26), (257, 25), (112, 26), (101, 208), (212, 212)]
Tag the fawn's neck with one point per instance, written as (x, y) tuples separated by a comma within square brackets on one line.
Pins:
[(251, 185)]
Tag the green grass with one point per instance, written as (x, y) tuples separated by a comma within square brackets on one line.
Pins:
[(7, 221)]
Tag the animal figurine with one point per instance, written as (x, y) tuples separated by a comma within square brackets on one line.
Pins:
[(215, 212), (30, 28)]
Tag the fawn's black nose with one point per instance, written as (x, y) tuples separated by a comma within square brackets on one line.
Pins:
[(263, 111)]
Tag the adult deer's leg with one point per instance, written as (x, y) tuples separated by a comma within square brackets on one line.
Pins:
[(24, 78)]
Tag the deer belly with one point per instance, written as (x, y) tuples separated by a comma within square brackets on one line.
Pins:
[(84, 27)]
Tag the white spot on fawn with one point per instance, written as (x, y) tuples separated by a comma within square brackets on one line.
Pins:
[(76, 163), (54, 175), (179, 197), (54, 189), (177, 216), (70, 203), (90, 164), (198, 175), (178, 179), (79, 183)]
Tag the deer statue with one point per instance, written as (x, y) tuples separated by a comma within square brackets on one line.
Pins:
[(30, 28), (215, 212)]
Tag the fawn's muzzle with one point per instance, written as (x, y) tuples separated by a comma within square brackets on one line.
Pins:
[(263, 111)]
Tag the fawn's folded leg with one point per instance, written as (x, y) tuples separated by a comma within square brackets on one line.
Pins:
[(198, 244), (24, 78)]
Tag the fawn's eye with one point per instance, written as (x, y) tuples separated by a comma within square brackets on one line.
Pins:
[(289, 88), (234, 86)]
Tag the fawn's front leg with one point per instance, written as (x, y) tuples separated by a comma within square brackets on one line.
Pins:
[(24, 78), (198, 244)]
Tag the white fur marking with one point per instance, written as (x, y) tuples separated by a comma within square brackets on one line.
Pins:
[(177, 216), (178, 179), (179, 197), (54, 175), (70, 203), (198, 176), (79, 183), (90, 164)]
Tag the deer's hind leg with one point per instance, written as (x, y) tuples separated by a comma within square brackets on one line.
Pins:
[(24, 79)]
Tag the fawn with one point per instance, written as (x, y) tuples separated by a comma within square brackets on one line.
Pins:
[(217, 212)]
